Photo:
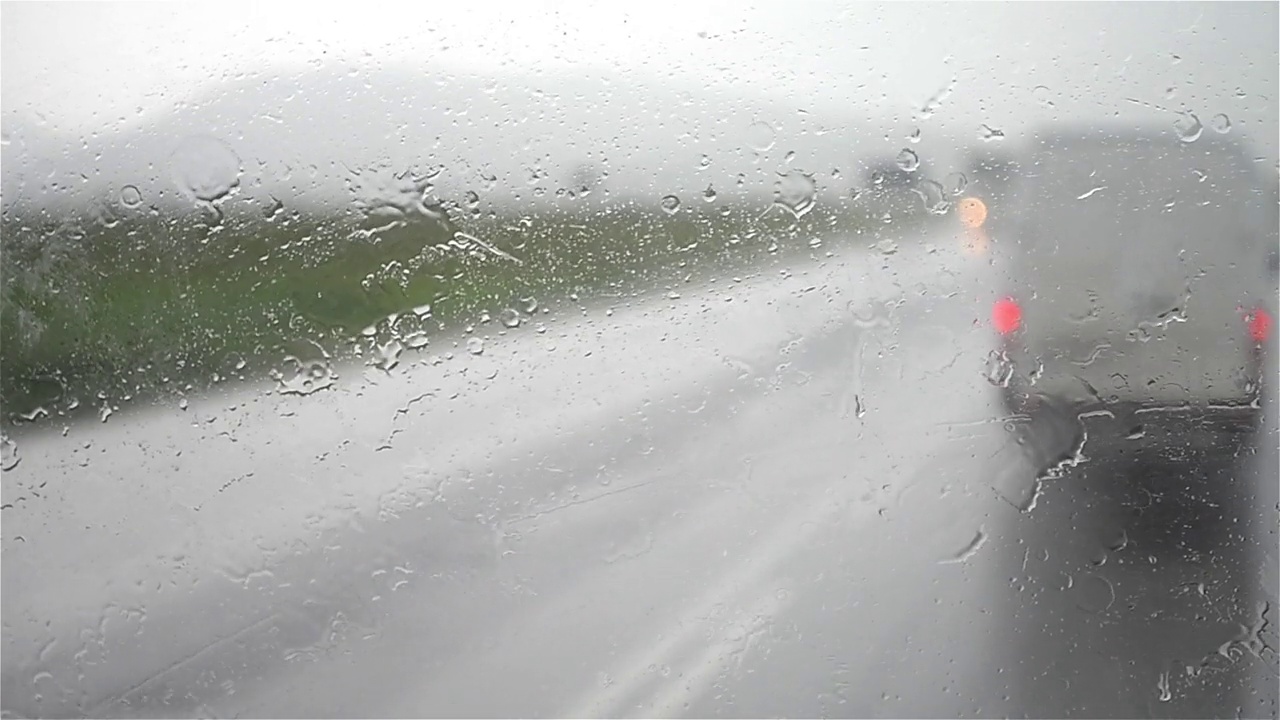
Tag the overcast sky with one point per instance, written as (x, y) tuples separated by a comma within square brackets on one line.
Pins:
[(81, 62), (94, 67)]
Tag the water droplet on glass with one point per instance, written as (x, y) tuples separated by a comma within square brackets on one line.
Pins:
[(1162, 687), (475, 345), (908, 160), (130, 196), (760, 136), (1043, 95), (1188, 127), (471, 200), (955, 183), (9, 457), (387, 356), (474, 244), (705, 162), (931, 105), (790, 157), (273, 210), (416, 340), (935, 200), (709, 195), (306, 371), (972, 548), (205, 168), (530, 305), (1220, 123), (422, 311), (510, 317), (1200, 175), (671, 204), (106, 215), (886, 246), (183, 404), (987, 133), (795, 191), (105, 412), (34, 414), (914, 136), (1094, 593), (999, 369)]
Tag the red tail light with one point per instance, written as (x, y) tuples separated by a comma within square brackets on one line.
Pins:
[(1006, 316), (1259, 324)]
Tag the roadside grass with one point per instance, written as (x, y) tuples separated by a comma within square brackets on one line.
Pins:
[(141, 307)]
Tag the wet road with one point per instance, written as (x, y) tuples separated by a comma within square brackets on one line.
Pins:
[(793, 494)]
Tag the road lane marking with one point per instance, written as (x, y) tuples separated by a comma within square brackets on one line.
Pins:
[(736, 638), (783, 540)]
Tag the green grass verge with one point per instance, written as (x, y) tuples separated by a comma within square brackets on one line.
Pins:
[(141, 307)]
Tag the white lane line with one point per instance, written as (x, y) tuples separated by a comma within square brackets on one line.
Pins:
[(784, 539), (736, 639)]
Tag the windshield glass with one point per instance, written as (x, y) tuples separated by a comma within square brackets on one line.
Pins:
[(595, 360)]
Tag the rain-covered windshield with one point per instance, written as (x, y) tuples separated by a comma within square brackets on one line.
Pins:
[(596, 360)]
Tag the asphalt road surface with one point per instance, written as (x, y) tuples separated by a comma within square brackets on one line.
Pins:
[(789, 494)]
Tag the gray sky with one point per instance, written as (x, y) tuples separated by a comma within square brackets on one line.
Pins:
[(83, 68)]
